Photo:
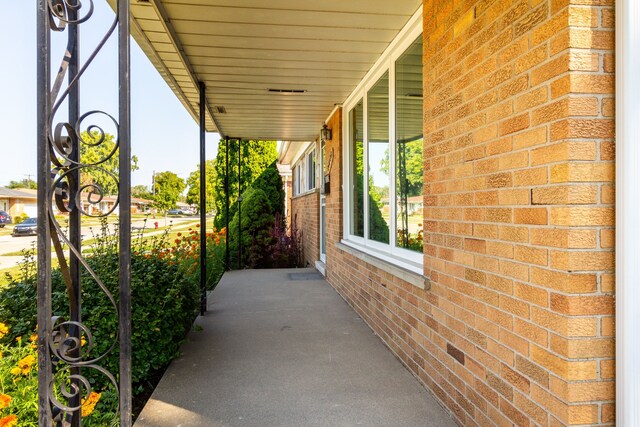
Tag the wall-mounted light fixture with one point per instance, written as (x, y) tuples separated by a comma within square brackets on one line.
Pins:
[(325, 133)]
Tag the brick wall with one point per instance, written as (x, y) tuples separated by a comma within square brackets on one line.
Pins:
[(333, 201), (288, 191), (519, 162), (306, 211)]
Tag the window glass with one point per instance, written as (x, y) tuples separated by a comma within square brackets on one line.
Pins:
[(378, 159), (409, 145), (311, 159), (357, 169)]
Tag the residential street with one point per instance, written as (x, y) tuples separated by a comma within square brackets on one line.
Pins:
[(10, 244)]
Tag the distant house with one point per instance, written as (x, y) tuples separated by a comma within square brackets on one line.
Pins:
[(415, 204), (18, 201), (107, 204)]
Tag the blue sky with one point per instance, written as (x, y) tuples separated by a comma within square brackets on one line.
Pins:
[(164, 136)]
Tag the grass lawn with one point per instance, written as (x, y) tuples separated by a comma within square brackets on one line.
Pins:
[(6, 230)]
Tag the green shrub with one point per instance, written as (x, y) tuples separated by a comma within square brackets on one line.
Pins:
[(20, 218), (270, 182), (187, 253), (19, 389), (165, 300), (257, 223)]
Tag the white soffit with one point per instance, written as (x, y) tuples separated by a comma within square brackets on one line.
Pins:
[(242, 48)]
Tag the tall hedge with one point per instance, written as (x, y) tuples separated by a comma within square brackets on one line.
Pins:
[(255, 158)]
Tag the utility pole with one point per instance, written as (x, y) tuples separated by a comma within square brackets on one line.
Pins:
[(28, 175)]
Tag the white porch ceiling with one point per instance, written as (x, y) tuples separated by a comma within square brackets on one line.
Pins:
[(242, 48)]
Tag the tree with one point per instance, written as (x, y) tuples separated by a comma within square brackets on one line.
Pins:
[(24, 183), (141, 192), (255, 157), (257, 222), (91, 154), (193, 185), (271, 183), (168, 188)]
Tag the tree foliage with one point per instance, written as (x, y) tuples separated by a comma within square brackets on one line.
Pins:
[(257, 222), (378, 227), (141, 192), (24, 183), (100, 174), (193, 185), (271, 183), (255, 158), (168, 187)]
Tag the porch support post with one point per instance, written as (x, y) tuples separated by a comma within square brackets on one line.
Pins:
[(75, 215), (124, 74), (239, 204), (44, 235), (627, 207), (203, 205), (227, 254)]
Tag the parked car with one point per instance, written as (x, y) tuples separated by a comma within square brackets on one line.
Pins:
[(5, 218), (175, 212), (28, 227)]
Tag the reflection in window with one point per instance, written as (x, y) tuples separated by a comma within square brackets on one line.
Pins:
[(378, 159), (357, 170), (409, 147)]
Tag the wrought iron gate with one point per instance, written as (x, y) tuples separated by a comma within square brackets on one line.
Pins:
[(62, 359)]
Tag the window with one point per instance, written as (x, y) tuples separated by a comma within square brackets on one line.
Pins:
[(409, 143), (378, 159), (304, 173), (385, 145), (311, 169), (357, 170)]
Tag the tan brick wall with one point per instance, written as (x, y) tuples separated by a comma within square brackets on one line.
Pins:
[(306, 211), (288, 186), (519, 164), (333, 201)]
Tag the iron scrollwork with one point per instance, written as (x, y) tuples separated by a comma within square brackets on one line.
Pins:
[(70, 342)]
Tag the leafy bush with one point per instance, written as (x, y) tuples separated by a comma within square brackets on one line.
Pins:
[(286, 250), (20, 218), (257, 222), (270, 182), (19, 389), (187, 253), (165, 300)]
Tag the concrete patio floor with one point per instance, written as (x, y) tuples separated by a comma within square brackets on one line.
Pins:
[(272, 351)]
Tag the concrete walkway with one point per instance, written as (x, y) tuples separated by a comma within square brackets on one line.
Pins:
[(272, 351)]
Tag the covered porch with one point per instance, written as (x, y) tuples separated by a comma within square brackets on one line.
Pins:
[(281, 348)]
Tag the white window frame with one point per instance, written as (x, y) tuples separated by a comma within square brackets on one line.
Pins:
[(302, 169), (405, 258)]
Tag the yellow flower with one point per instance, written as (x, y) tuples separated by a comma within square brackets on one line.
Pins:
[(33, 337), (26, 363), (3, 330), (5, 399), (89, 403), (9, 421), (16, 371)]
